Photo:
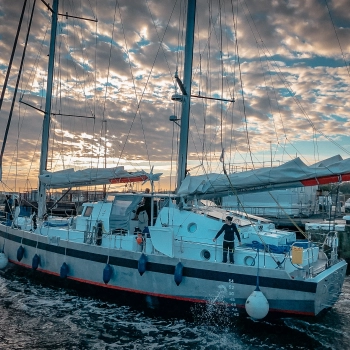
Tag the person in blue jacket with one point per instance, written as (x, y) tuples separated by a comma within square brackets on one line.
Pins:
[(228, 244)]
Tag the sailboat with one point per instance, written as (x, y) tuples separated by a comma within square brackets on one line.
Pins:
[(175, 258)]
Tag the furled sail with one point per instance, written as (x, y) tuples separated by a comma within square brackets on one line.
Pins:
[(96, 176), (288, 175)]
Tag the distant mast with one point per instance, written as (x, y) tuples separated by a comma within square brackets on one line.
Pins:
[(47, 115), (186, 98)]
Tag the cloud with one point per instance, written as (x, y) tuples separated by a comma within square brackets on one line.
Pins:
[(290, 82)]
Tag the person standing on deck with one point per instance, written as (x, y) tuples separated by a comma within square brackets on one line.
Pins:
[(16, 210), (8, 208), (228, 244), (146, 206)]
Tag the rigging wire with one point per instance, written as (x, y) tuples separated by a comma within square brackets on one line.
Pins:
[(247, 216), (222, 73), (336, 34), (95, 64), (298, 103), (19, 76), (243, 103), (108, 70), (134, 87), (206, 146), (208, 80), (59, 88), (223, 159), (221, 79), (77, 64), (159, 39), (211, 29), (17, 82), (253, 164), (228, 80), (179, 61), (146, 84), (267, 93), (12, 56), (290, 90), (95, 84)]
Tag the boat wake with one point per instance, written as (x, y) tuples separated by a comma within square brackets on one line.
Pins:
[(215, 313)]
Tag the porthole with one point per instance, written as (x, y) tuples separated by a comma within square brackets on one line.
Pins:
[(205, 254), (249, 261), (192, 227)]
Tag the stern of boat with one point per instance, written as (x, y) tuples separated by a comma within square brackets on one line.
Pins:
[(329, 286)]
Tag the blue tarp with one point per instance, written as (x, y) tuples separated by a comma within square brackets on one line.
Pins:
[(279, 249), (55, 224)]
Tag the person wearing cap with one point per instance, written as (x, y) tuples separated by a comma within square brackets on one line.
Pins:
[(228, 244)]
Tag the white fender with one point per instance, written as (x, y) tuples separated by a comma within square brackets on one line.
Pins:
[(256, 305)]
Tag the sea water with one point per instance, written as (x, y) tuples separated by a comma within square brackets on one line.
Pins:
[(37, 315)]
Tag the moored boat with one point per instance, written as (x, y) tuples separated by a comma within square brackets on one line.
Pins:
[(175, 258), (180, 261)]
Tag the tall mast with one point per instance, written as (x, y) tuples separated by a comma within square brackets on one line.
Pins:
[(47, 115), (186, 98)]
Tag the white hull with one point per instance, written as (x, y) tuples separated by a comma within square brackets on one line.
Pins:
[(202, 280)]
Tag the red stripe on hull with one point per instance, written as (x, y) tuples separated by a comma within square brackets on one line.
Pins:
[(191, 300)]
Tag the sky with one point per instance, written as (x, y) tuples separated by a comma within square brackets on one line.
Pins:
[(285, 63)]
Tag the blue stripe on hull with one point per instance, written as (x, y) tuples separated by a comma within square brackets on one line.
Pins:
[(203, 274)]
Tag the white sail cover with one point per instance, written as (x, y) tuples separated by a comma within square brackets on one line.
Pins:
[(289, 175), (96, 176)]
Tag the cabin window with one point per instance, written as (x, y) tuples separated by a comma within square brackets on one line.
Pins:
[(205, 254), (192, 227), (120, 207), (88, 211)]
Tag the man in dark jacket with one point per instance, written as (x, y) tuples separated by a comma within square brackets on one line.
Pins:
[(146, 206), (228, 244), (8, 207)]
